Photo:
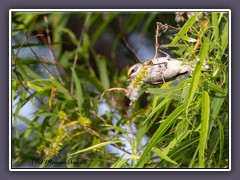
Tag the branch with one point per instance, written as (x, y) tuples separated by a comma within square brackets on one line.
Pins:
[(157, 46), (126, 42), (113, 89), (78, 46), (52, 54)]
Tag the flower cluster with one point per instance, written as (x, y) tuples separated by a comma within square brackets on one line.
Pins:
[(135, 84)]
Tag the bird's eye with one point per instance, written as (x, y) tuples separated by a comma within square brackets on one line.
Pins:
[(134, 69)]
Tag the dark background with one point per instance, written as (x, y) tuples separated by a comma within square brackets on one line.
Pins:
[(123, 4)]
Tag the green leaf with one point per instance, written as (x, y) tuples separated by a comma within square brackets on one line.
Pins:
[(95, 146), (162, 93), (103, 72), (61, 19), (193, 158), (49, 83), (185, 93), (34, 61), (186, 38), (28, 132), (95, 104), (215, 25), (14, 88), (159, 133), (180, 149), (121, 130), (197, 72), (183, 30), (93, 81), (216, 105), (131, 23), (216, 88), (224, 38), (25, 120), (33, 45), (148, 21), (79, 93), (158, 108), (96, 163), (72, 36), (102, 27), (213, 142), (163, 155), (120, 162), (27, 72), (175, 141), (221, 141), (204, 127), (181, 127), (22, 70), (20, 104), (34, 86)]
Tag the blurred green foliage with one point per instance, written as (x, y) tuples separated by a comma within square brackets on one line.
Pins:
[(63, 61)]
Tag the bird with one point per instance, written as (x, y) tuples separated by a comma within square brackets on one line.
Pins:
[(160, 70)]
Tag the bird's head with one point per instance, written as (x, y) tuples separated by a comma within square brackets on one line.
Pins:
[(133, 70)]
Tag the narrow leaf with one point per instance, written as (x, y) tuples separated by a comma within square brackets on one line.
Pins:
[(197, 72), (103, 27), (175, 141), (183, 30), (120, 163), (103, 72), (79, 93), (224, 38), (96, 146), (204, 127), (215, 25), (163, 155), (221, 141), (159, 133), (158, 108)]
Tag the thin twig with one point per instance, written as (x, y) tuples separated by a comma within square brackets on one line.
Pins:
[(112, 89), (23, 43), (51, 51), (47, 68), (120, 148), (156, 42), (100, 117), (78, 46), (165, 27), (126, 42), (15, 59), (37, 57), (157, 46), (163, 52)]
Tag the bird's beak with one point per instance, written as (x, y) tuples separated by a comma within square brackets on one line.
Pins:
[(128, 73)]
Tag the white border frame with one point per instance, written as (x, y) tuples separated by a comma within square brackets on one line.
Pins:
[(113, 10)]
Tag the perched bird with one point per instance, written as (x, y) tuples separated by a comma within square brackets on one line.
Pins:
[(160, 70)]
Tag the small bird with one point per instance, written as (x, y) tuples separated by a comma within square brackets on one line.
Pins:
[(161, 70)]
